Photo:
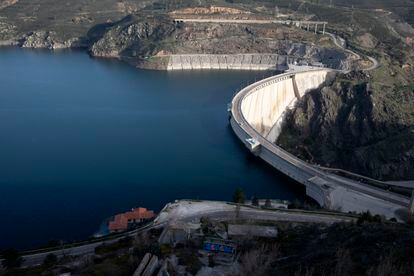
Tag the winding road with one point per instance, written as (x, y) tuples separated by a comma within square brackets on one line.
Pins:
[(341, 43)]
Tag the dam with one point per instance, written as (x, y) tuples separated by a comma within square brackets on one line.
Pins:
[(256, 116)]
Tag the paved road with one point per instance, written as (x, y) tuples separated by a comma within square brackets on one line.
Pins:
[(214, 210), (192, 211), (340, 42), (375, 64), (406, 184), (85, 249), (269, 215)]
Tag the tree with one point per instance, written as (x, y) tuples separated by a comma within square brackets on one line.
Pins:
[(255, 201), (11, 258), (258, 261), (238, 196), (268, 203)]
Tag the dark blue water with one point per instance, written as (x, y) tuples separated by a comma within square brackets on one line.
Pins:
[(82, 139)]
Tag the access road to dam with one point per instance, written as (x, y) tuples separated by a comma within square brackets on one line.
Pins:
[(186, 211)]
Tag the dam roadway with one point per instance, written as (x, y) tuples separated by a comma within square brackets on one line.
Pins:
[(257, 113)]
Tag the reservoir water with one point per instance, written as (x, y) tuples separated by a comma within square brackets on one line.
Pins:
[(82, 139)]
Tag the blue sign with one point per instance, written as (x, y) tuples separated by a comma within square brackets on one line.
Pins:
[(218, 247)]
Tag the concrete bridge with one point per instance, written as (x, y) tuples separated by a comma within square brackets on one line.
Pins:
[(257, 113), (305, 24)]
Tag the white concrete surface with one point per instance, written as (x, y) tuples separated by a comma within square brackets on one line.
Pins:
[(257, 112), (258, 61), (264, 106)]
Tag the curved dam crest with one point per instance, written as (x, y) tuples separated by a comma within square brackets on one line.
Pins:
[(257, 113), (265, 108)]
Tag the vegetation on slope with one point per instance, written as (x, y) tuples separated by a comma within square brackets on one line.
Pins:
[(352, 125), (370, 246), (363, 122)]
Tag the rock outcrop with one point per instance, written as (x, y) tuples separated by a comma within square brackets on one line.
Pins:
[(7, 3), (7, 34), (133, 37), (46, 39), (139, 39), (349, 125)]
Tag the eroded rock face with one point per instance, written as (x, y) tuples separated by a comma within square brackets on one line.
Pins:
[(132, 38), (142, 37), (346, 124), (7, 32), (46, 39), (367, 40), (332, 58), (41, 39), (7, 3)]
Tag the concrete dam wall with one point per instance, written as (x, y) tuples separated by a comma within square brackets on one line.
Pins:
[(228, 62), (257, 113), (264, 109)]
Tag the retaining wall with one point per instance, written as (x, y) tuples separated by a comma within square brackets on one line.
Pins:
[(228, 62)]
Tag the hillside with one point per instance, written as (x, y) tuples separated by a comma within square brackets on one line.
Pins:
[(362, 122), (143, 33), (367, 247), (351, 125)]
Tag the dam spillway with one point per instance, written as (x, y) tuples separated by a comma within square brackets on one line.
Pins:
[(257, 113)]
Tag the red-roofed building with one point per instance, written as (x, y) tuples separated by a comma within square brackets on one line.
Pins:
[(122, 222)]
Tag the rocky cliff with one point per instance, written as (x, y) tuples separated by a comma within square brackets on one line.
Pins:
[(59, 24), (133, 37), (7, 3), (50, 40), (137, 38), (143, 32), (348, 124)]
